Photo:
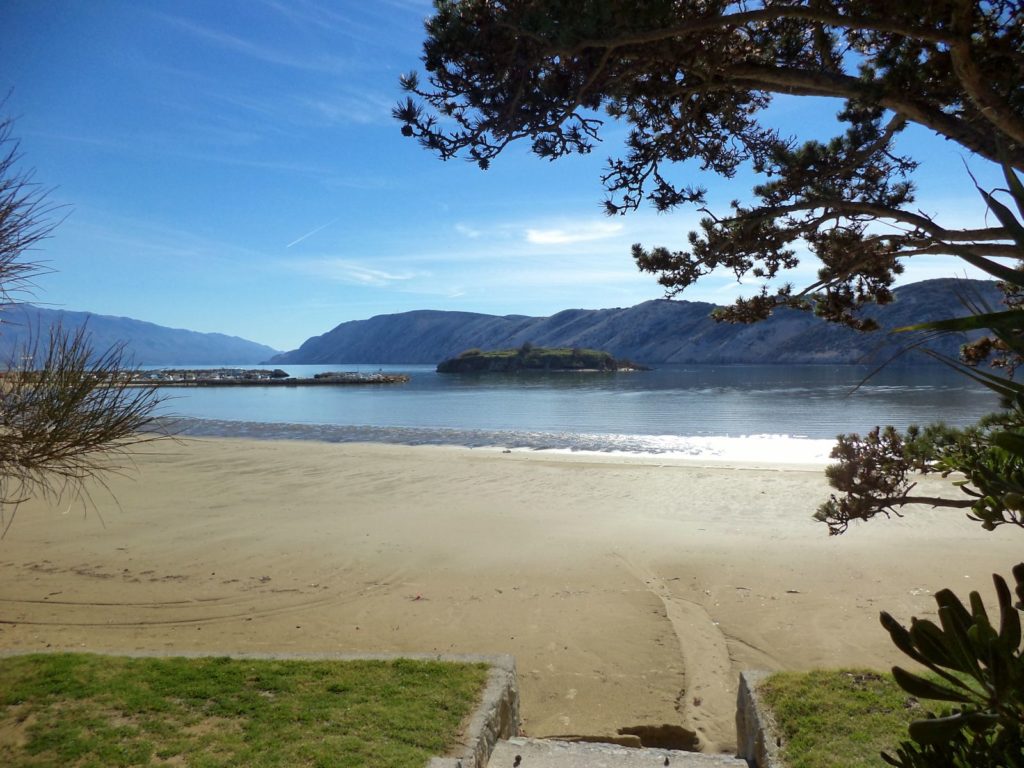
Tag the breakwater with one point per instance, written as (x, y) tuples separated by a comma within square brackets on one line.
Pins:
[(256, 377)]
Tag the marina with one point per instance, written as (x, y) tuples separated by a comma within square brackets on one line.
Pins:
[(260, 377)]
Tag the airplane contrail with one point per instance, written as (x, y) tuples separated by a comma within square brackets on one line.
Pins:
[(313, 232)]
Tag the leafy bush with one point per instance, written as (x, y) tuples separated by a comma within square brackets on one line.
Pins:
[(981, 667)]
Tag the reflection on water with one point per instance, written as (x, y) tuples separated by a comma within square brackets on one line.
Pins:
[(645, 411)]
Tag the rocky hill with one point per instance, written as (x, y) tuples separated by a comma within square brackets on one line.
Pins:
[(145, 343), (657, 331)]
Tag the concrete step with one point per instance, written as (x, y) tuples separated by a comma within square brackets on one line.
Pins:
[(548, 753)]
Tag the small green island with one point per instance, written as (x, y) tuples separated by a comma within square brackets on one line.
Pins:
[(531, 358)]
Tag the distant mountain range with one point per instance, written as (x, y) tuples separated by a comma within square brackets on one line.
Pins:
[(145, 343), (657, 331), (653, 332)]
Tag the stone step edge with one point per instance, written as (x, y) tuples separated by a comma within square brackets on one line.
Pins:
[(497, 717), (757, 738), (555, 751)]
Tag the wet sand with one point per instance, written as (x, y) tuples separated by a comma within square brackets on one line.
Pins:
[(631, 590)]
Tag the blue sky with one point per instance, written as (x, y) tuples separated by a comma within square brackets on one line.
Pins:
[(233, 167)]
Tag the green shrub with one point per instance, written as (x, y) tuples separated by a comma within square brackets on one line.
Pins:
[(980, 669)]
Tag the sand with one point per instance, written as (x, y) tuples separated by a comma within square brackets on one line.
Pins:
[(631, 591)]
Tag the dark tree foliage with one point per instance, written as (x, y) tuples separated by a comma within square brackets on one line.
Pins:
[(875, 474), (67, 413), (693, 78)]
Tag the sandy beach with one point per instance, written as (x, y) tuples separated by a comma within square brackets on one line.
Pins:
[(631, 590)]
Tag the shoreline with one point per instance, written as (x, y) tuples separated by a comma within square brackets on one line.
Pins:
[(631, 590), (718, 450), (621, 458)]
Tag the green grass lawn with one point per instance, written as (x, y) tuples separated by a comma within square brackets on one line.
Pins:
[(86, 710), (839, 718)]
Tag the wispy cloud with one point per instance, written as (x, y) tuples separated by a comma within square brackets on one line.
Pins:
[(577, 233), (352, 272), (424, 5), (146, 239), (550, 279), (368, 181), (729, 286), (378, 24), (107, 144), (322, 62), (361, 107), (467, 231), (302, 13)]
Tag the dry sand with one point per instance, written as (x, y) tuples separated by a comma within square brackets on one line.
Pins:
[(631, 591)]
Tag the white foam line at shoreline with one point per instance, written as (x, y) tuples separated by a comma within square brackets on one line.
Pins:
[(774, 449), (746, 449)]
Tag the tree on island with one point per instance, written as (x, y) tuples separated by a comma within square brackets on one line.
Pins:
[(67, 412), (694, 80)]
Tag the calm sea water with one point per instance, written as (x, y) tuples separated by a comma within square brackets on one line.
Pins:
[(735, 412)]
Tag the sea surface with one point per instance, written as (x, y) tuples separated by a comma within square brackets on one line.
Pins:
[(739, 412)]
